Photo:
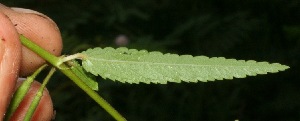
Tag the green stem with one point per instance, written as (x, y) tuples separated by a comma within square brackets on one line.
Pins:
[(55, 61), (36, 100), (21, 92)]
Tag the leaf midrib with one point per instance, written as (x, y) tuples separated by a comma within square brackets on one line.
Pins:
[(168, 64)]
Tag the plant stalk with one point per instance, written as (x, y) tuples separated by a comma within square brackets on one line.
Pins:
[(21, 92), (36, 100), (65, 69)]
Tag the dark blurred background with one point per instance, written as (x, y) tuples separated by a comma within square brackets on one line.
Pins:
[(262, 30)]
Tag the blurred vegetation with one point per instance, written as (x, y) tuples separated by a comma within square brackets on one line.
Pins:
[(251, 29)]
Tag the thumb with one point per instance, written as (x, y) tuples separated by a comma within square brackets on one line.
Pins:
[(10, 56)]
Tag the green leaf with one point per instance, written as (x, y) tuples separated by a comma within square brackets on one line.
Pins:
[(87, 78), (135, 66)]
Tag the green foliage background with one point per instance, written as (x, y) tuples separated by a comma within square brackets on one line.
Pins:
[(251, 29)]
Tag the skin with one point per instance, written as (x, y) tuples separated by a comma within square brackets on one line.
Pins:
[(16, 60), (40, 29), (10, 58), (44, 111)]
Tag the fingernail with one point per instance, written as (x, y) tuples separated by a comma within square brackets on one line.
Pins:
[(23, 10)]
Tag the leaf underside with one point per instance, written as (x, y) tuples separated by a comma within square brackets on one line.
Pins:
[(86, 77), (133, 66)]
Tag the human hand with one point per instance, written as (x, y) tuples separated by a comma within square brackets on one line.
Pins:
[(16, 60)]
